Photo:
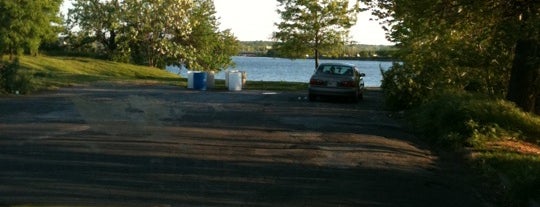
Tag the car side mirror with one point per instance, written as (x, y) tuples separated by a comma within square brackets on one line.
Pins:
[(362, 75)]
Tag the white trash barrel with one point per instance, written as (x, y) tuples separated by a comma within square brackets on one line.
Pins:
[(190, 80), (210, 79), (227, 76), (235, 81)]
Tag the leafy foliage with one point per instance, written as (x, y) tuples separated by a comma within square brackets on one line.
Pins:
[(459, 45), (25, 24), (155, 32), (320, 26), (103, 28), (213, 48), (401, 87)]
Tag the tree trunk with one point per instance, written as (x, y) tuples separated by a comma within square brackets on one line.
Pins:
[(537, 107), (11, 51), (316, 59), (523, 88)]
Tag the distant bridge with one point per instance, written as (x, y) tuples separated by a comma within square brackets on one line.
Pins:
[(249, 54)]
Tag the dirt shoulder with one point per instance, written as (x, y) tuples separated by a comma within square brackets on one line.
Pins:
[(163, 145)]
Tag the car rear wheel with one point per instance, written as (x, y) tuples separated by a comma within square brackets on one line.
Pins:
[(312, 97), (356, 97)]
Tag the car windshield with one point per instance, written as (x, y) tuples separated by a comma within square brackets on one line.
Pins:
[(335, 70)]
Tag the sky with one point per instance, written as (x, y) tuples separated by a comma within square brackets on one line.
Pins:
[(251, 20)]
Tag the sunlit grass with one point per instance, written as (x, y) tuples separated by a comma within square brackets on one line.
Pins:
[(53, 72)]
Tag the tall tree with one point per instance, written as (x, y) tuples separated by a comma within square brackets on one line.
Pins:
[(25, 24), (185, 32), (524, 85), (461, 44), (313, 26), (98, 20), (152, 27), (214, 48)]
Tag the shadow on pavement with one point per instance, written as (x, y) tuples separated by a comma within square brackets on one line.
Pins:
[(138, 146)]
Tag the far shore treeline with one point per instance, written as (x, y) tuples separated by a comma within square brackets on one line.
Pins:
[(352, 50)]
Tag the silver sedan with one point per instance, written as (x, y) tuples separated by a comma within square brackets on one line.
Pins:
[(337, 79)]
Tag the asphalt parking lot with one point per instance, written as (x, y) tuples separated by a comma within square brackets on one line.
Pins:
[(133, 145)]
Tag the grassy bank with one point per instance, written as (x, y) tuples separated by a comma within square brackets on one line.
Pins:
[(501, 141), (49, 73), (52, 72)]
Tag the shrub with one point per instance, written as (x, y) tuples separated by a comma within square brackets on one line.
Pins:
[(13, 80), (401, 87)]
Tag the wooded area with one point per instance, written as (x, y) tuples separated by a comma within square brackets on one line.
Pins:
[(488, 47), (154, 32)]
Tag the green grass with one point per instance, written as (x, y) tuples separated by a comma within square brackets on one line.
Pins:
[(54, 72), (456, 120), (515, 175), (49, 73)]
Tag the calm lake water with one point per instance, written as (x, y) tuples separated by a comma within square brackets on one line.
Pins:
[(280, 69)]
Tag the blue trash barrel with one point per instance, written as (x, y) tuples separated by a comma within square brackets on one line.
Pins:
[(199, 81)]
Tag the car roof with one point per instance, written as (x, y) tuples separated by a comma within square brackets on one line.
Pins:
[(337, 64)]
